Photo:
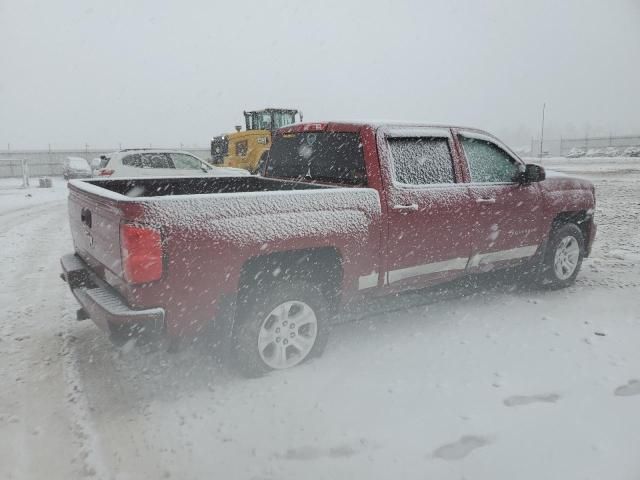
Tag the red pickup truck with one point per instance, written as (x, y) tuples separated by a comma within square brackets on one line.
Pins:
[(342, 212)]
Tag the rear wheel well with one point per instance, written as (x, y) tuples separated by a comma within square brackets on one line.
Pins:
[(318, 266)]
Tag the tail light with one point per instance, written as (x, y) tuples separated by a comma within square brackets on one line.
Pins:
[(141, 249), (105, 172)]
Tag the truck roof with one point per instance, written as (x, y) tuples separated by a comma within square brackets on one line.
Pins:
[(345, 126)]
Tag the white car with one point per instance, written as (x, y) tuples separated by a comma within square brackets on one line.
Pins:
[(595, 152), (158, 163), (576, 153), (632, 152), (611, 152), (76, 167)]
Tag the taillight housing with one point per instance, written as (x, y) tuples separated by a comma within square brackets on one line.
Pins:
[(105, 172), (141, 248)]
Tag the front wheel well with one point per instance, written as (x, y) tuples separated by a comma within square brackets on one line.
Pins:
[(581, 218)]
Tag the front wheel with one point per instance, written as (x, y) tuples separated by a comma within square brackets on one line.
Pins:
[(281, 328), (563, 257)]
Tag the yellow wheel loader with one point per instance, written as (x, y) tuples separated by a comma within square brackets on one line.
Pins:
[(246, 149)]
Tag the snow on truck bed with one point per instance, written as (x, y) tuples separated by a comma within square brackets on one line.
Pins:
[(248, 210)]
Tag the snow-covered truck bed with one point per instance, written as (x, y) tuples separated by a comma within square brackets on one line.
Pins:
[(343, 213)]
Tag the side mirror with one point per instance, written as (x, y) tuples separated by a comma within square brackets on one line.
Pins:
[(532, 173)]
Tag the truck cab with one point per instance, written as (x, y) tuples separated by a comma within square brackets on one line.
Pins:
[(344, 212)]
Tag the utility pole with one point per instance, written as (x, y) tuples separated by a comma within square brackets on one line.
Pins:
[(544, 105)]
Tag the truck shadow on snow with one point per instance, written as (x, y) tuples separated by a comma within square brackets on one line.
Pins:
[(144, 371)]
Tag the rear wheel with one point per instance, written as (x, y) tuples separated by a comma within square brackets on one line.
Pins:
[(280, 329), (563, 257)]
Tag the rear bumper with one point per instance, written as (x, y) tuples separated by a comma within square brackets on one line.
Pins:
[(102, 303)]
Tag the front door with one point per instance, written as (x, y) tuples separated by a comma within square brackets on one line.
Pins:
[(507, 227), (428, 210)]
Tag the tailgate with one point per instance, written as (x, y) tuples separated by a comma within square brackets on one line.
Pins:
[(95, 228)]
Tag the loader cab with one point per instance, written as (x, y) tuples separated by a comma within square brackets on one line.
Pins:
[(270, 119)]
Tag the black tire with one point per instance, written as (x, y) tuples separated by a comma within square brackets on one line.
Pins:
[(247, 357), (550, 277)]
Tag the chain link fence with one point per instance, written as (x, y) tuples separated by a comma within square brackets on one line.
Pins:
[(604, 146)]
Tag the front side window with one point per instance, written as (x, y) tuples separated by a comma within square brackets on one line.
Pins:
[(186, 162), (487, 162), (421, 160)]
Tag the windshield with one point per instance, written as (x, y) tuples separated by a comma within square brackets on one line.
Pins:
[(334, 157), (78, 163)]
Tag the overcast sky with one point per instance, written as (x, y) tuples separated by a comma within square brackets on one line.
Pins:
[(126, 72)]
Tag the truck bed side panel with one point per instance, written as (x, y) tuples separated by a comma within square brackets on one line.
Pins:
[(208, 240)]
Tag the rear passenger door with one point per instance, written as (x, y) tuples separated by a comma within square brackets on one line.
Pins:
[(428, 209), (507, 226)]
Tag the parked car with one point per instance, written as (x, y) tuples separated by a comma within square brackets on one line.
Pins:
[(344, 213), (76, 167), (145, 162), (611, 152), (595, 152), (576, 153), (632, 152)]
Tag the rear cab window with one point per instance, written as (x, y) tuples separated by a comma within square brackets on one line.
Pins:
[(325, 157)]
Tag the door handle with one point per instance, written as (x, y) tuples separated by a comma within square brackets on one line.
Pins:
[(485, 200), (413, 207)]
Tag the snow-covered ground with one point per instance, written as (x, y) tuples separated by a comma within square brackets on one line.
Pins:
[(14, 198), (479, 382)]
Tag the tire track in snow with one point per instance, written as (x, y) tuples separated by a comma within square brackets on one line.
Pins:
[(90, 452), (52, 432)]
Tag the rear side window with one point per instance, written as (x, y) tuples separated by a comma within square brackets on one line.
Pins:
[(333, 157), (421, 160), (148, 160), (487, 162)]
